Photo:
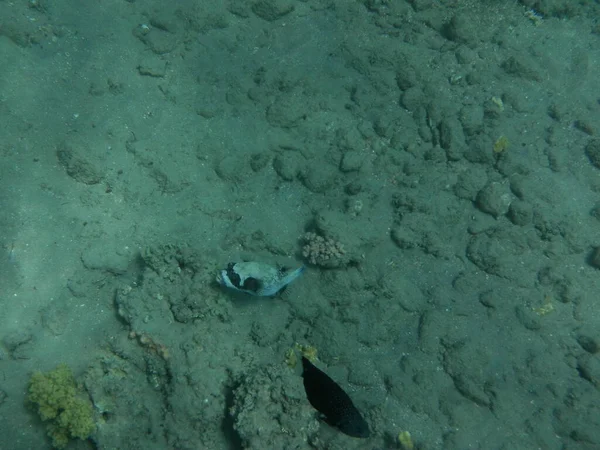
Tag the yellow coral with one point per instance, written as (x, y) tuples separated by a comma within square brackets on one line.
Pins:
[(56, 396), (405, 440), (501, 144), (290, 358), (308, 351), (546, 308)]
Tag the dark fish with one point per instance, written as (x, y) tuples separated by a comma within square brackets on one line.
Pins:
[(327, 397)]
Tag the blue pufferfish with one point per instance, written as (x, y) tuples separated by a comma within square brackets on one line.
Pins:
[(256, 278)]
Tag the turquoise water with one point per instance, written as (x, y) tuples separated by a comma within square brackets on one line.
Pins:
[(434, 163)]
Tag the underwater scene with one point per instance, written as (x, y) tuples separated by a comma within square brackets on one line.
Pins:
[(300, 225)]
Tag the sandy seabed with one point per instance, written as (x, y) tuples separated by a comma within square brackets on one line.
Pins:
[(451, 148)]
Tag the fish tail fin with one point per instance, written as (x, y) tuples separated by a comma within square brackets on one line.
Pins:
[(294, 274)]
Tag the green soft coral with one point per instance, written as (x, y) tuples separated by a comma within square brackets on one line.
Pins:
[(59, 401)]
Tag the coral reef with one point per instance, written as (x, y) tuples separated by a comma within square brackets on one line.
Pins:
[(59, 401), (150, 344), (323, 251), (308, 351), (269, 410)]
